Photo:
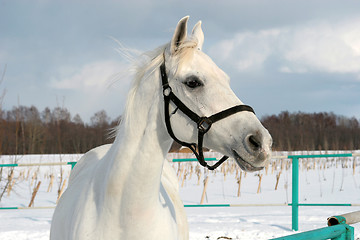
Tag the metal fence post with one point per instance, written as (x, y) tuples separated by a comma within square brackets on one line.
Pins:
[(295, 193)]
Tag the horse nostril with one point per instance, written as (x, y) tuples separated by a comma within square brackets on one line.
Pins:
[(254, 143)]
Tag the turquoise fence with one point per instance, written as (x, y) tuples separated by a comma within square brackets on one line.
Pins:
[(191, 159), (338, 229), (295, 184), (337, 232), (295, 187), (38, 164)]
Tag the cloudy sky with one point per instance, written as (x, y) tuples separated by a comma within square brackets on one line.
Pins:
[(281, 55)]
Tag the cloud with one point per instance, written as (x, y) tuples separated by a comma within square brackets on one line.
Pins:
[(246, 51), (311, 47), (325, 48), (94, 86), (97, 75)]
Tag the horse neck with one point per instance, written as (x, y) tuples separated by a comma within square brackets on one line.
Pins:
[(140, 148)]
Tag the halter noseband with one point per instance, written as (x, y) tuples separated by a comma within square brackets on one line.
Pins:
[(203, 123)]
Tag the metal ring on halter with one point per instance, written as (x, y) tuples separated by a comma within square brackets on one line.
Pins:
[(167, 90)]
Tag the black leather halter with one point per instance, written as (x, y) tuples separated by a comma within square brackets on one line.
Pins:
[(203, 123)]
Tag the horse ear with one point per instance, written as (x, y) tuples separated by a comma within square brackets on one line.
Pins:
[(197, 33), (179, 35)]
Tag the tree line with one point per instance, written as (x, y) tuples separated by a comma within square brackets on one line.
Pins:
[(313, 131), (26, 130)]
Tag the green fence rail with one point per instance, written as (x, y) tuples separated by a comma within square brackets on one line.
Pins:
[(38, 164), (338, 229), (337, 232), (191, 159)]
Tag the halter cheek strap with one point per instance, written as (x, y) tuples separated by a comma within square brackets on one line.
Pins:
[(203, 123)]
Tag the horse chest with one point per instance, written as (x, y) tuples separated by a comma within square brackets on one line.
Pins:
[(129, 220), (154, 223)]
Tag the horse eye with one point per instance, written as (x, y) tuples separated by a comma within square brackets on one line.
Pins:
[(193, 82)]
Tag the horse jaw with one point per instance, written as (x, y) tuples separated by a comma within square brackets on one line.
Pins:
[(244, 139)]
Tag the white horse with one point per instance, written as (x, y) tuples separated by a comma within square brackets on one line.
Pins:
[(127, 190)]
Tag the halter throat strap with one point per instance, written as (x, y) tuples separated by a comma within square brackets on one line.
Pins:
[(203, 123)]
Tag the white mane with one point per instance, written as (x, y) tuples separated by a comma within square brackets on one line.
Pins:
[(143, 66)]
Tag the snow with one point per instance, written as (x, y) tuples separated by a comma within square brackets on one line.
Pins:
[(321, 181)]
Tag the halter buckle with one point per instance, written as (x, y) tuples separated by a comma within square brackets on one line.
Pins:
[(204, 124)]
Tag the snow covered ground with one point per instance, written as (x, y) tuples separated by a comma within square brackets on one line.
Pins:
[(321, 181)]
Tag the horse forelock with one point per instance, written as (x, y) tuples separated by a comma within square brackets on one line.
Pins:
[(185, 52)]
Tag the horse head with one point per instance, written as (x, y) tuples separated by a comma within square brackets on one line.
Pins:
[(201, 86)]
